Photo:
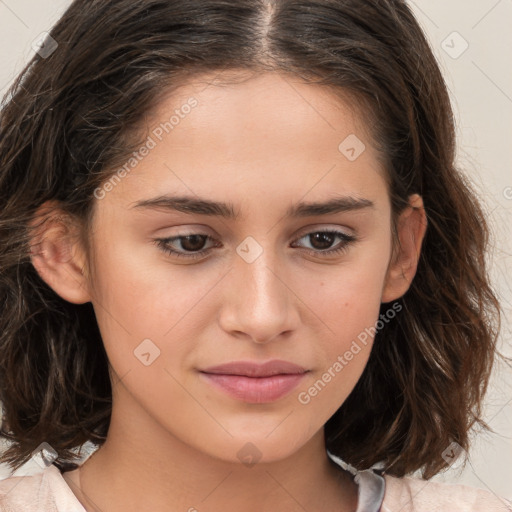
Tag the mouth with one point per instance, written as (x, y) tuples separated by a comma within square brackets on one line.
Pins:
[(255, 382)]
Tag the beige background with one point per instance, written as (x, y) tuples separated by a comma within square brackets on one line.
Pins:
[(480, 81)]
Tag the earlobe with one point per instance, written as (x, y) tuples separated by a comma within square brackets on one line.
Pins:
[(56, 253), (411, 228)]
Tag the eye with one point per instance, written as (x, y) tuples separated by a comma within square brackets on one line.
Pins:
[(191, 246), (321, 242), (189, 243)]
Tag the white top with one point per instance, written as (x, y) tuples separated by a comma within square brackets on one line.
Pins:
[(47, 491)]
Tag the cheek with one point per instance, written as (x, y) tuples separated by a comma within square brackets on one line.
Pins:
[(143, 293), (348, 298), (348, 302), (350, 310), (140, 298)]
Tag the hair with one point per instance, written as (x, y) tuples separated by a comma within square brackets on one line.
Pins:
[(70, 119)]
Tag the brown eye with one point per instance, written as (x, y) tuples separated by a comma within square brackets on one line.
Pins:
[(193, 246), (185, 246), (193, 242), (322, 241)]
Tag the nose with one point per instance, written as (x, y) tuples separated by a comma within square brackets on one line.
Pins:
[(259, 303)]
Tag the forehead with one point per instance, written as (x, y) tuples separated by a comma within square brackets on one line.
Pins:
[(254, 133), (264, 102)]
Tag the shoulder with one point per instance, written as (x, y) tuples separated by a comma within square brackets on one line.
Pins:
[(46, 491), (409, 494), (20, 493)]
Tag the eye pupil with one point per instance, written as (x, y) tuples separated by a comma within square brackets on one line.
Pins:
[(325, 239), (193, 242)]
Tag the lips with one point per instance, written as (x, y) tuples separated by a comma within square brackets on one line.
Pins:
[(251, 369), (255, 382)]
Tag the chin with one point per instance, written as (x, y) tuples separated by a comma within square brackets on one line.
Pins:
[(250, 449)]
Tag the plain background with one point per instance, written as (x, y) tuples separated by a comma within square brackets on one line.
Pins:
[(473, 43)]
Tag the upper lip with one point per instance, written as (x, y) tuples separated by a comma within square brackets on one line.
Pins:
[(253, 369)]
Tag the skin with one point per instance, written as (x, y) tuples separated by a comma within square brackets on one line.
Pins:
[(263, 144)]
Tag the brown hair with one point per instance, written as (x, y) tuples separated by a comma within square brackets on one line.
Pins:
[(70, 118)]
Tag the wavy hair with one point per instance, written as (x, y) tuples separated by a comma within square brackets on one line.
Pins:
[(72, 117)]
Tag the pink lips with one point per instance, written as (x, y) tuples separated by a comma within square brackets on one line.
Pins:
[(255, 382)]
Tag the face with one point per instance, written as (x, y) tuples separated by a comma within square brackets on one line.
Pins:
[(212, 248)]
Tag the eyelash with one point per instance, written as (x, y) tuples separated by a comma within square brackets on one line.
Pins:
[(163, 244)]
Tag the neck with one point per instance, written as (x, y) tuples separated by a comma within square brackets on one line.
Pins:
[(144, 467)]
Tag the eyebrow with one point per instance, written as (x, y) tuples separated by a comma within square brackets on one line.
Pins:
[(202, 206)]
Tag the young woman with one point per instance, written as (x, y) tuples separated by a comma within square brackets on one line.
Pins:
[(236, 255)]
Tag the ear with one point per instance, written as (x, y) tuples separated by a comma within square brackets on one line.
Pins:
[(411, 228), (57, 254)]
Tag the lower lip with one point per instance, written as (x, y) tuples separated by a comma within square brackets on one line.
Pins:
[(255, 389)]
